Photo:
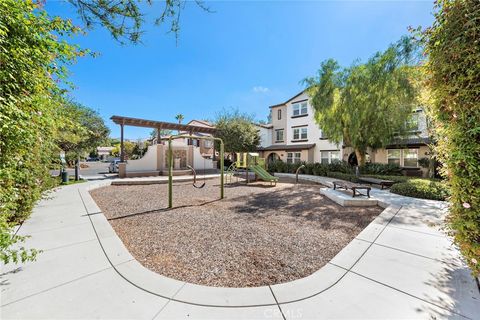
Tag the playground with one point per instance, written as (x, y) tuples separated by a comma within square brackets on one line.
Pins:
[(257, 235)]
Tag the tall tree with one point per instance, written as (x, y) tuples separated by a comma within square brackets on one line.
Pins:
[(453, 70), (81, 131), (33, 64), (125, 19), (237, 131), (179, 117), (366, 105)]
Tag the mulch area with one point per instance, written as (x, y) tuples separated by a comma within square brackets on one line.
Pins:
[(258, 235)]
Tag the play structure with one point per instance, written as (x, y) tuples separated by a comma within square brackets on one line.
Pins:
[(171, 165), (250, 161)]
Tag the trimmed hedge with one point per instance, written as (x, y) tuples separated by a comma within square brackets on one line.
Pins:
[(381, 169), (422, 188), (343, 176)]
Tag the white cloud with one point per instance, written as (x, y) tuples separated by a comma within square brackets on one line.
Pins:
[(260, 89)]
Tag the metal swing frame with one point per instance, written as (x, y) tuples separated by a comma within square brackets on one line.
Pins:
[(170, 163)]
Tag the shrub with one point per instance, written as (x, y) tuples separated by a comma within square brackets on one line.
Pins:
[(395, 179), (453, 75), (340, 166), (381, 168), (421, 188), (343, 176)]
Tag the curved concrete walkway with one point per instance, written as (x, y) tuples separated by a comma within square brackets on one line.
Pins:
[(400, 266)]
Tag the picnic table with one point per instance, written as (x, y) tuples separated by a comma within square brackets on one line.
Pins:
[(338, 184), (383, 183)]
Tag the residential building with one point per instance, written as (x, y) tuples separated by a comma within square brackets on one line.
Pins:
[(295, 137)]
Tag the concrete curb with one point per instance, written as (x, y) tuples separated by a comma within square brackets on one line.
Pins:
[(132, 271)]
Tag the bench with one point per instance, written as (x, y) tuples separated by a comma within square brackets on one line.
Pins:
[(381, 182), (351, 186)]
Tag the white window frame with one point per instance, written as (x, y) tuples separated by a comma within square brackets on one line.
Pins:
[(300, 133), (404, 154), (300, 109), (401, 156), (304, 133), (277, 133), (294, 157), (329, 156)]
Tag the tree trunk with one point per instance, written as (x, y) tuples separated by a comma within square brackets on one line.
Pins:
[(360, 157)]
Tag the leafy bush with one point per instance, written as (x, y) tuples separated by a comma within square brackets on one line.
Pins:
[(421, 188), (33, 64), (453, 75), (340, 166), (343, 176), (396, 179), (381, 168)]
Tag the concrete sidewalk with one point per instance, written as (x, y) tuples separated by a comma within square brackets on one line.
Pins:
[(401, 266)]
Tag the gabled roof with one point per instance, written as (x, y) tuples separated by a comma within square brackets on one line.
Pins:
[(202, 123), (282, 104)]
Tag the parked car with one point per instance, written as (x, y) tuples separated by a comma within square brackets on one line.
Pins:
[(113, 167), (92, 159)]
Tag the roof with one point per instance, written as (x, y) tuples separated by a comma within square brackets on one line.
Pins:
[(266, 125), (202, 123), (284, 103), (287, 147), (417, 141), (135, 122)]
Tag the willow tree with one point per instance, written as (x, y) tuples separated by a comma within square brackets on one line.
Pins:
[(368, 104)]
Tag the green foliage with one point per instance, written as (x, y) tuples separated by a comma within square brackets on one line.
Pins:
[(33, 63), (366, 105), (237, 131), (7, 240), (381, 169), (422, 188), (395, 179), (342, 176), (80, 131), (453, 71), (124, 19)]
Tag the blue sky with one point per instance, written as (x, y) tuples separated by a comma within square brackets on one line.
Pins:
[(245, 55)]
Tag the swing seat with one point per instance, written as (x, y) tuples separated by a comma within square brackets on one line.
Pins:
[(200, 186), (195, 179)]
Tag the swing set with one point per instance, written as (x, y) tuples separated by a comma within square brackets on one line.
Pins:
[(170, 166)]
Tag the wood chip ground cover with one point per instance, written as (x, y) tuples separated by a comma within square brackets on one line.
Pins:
[(258, 235)]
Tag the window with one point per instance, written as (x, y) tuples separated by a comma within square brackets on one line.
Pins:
[(410, 157), (303, 133), (412, 123), (296, 134), (403, 157), (279, 135), (393, 156), (300, 109), (279, 114), (294, 157), (300, 133), (329, 156)]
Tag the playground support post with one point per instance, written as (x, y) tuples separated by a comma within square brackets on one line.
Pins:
[(170, 164)]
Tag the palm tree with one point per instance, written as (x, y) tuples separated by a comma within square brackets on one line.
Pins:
[(179, 117)]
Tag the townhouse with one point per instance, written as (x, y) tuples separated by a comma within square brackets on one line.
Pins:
[(293, 136)]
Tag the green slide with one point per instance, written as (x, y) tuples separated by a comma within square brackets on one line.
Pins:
[(263, 174)]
